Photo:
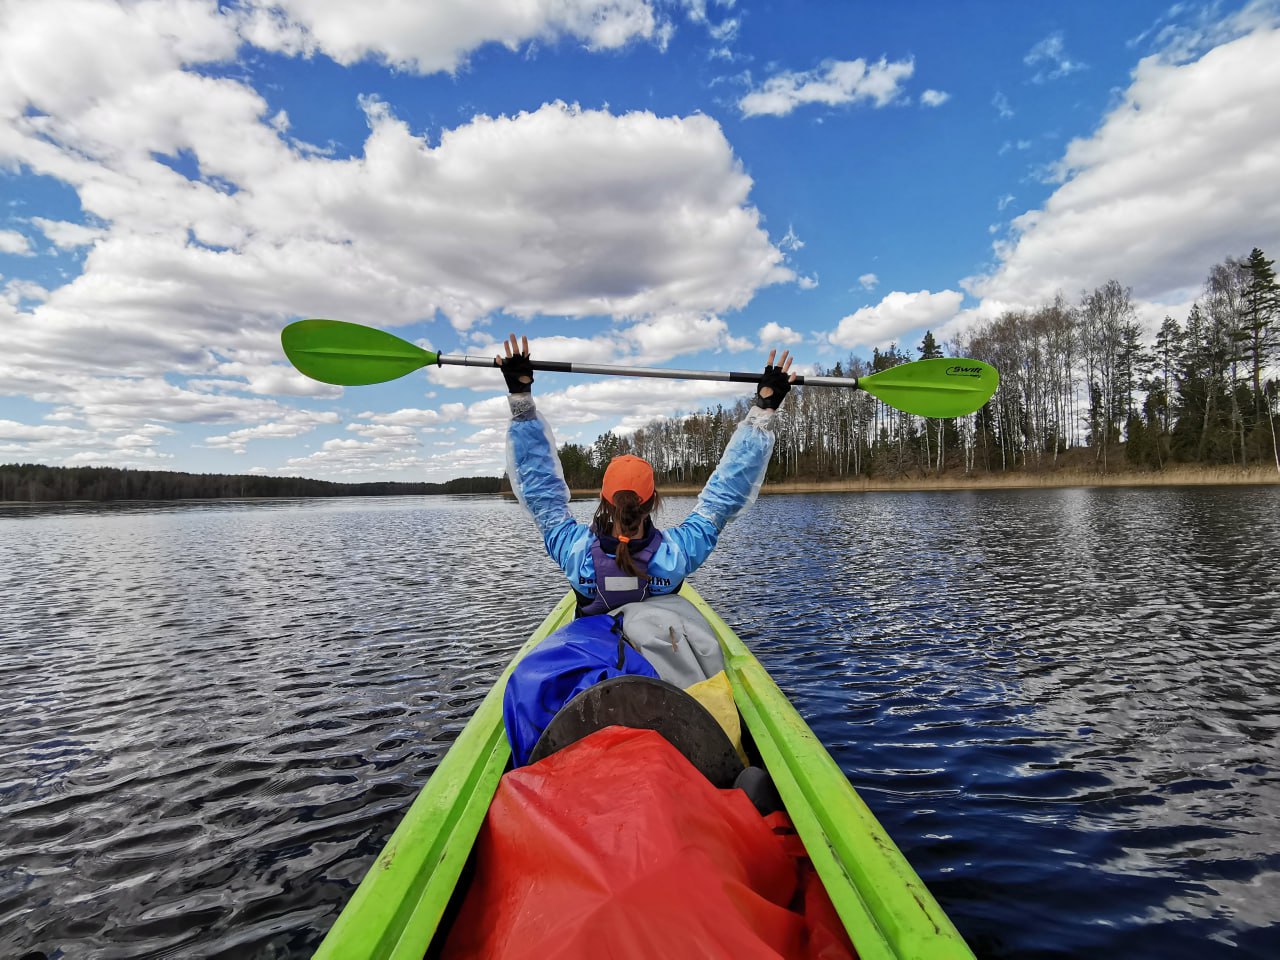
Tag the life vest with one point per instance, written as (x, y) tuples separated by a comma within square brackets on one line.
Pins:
[(613, 586)]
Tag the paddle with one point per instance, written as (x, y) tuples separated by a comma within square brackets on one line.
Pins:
[(348, 354)]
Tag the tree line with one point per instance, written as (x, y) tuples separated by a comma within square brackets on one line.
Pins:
[(1080, 386), (35, 483)]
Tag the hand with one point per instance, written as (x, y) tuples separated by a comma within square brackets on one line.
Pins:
[(516, 368), (775, 383)]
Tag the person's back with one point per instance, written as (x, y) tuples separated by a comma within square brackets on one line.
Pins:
[(621, 557)]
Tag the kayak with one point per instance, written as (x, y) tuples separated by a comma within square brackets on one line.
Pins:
[(886, 909)]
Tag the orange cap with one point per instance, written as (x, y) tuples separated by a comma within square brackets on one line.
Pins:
[(628, 473)]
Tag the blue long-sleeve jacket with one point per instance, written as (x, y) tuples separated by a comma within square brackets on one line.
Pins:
[(538, 483)]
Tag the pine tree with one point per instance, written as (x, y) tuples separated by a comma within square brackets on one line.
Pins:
[(929, 349), (1259, 337), (1261, 334)]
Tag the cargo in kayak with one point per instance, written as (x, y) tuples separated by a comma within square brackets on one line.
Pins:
[(417, 884)]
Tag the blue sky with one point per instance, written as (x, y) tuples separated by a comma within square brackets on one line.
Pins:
[(682, 182)]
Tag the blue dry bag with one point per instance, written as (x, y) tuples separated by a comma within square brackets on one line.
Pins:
[(575, 657)]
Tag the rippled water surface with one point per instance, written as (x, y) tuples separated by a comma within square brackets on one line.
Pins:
[(1063, 705)]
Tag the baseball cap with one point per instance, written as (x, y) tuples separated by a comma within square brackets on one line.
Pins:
[(627, 473)]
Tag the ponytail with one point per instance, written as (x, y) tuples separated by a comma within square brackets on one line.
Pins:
[(628, 515)]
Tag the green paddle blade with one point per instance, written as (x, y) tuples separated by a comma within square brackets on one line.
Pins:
[(348, 354), (938, 387)]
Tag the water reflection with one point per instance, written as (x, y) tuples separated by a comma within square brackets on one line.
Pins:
[(1062, 704)]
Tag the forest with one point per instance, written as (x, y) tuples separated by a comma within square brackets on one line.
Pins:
[(1079, 387), (34, 483)]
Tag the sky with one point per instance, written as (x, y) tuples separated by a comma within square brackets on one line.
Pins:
[(651, 182)]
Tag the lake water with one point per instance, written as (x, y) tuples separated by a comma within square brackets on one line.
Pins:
[(1063, 705)]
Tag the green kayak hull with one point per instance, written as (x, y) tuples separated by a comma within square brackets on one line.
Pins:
[(886, 908)]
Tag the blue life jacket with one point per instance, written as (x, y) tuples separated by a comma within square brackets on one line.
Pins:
[(613, 586)]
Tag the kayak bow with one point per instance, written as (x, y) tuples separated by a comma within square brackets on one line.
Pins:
[(885, 907)]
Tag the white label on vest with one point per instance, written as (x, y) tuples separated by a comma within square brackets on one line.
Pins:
[(613, 584)]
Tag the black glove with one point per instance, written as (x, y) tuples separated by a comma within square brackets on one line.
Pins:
[(777, 380), (516, 367)]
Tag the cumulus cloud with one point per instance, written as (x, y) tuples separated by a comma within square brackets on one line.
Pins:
[(1169, 184), (347, 459), (412, 417), (896, 314), (868, 281), (834, 83), (775, 334), (294, 424), (57, 443), (934, 98), (636, 402), (582, 411), (651, 342), (439, 36), (674, 334), (555, 211), (11, 241), (16, 291), (68, 236), (1004, 110)]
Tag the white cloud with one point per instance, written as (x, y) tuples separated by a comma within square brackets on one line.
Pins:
[(1170, 183), (1050, 59), (774, 334), (868, 281), (15, 291), (410, 417), (387, 434), (68, 236), (791, 241), (112, 405), (11, 431), (1003, 108), (357, 458), (896, 314), (655, 341), (637, 401), (559, 210), (71, 446), (439, 35), (11, 241), (934, 98), (1186, 32), (671, 334), (836, 82), (294, 424)]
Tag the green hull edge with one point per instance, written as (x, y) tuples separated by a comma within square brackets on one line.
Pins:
[(886, 908)]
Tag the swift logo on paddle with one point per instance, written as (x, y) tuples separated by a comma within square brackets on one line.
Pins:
[(958, 371)]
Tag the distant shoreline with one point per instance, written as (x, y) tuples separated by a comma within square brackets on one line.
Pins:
[(1049, 480)]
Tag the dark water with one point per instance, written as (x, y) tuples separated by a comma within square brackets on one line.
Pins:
[(1063, 705)]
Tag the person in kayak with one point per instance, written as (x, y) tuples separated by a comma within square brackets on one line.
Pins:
[(621, 557)]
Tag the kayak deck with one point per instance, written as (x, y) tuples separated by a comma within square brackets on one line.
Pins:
[(885, 907)]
